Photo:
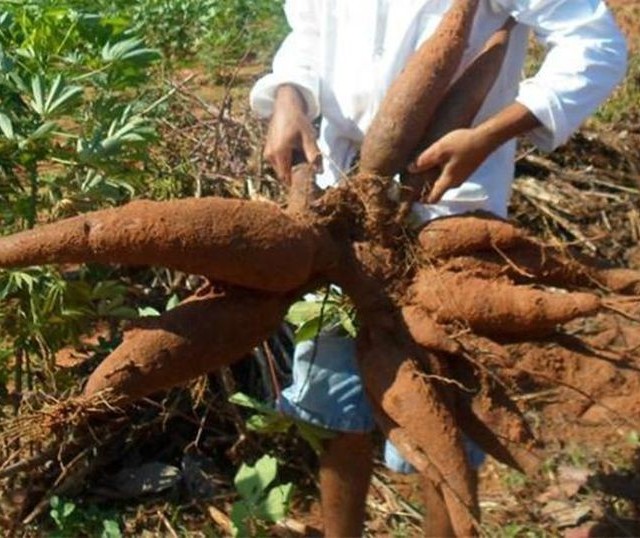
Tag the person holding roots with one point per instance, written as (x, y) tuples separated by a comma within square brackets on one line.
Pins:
[(336, 64)]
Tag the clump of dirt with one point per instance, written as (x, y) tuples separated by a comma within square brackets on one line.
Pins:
[(594, 369)]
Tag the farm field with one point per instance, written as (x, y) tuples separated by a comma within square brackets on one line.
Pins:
[(106, 102)]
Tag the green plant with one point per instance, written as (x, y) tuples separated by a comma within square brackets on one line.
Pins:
[(329, 311), (268, 421), (76, 121), (149, 311), (514, 480), (259, 503), (176, 28), (241, 29), (73, 520), (624, 103), (218, 32)]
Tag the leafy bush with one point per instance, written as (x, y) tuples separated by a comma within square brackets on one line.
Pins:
[(75, 126), (72, 112), (217, 32), (242, 28)]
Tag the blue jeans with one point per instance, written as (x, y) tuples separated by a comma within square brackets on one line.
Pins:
[(327, 391)]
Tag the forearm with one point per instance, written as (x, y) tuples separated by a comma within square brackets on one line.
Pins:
[(585, 59), (511, 122)]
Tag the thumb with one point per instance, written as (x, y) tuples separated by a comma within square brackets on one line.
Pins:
[(429, 158), (311, 151)]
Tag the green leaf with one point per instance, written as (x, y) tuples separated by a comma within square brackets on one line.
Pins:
[(269, 424), (53, 90), (308, 330), (266, 469), (110, 529), (147, 311), (173, 301), (129, 49), (347, 323), (303, 311), (65, 98), (38, 94), (244, 400), (276, 504), (240, 514), (57, 97), (18, 82), (314, 435), (67, 509), (45, 129), (6, 126), (247, 483), (251, 482)]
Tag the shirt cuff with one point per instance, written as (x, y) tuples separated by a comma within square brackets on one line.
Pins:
[(263, 93), (545, 106)]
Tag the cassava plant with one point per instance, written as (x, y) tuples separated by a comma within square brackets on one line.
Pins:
[(437, 309), (218, 32), (75, 124)]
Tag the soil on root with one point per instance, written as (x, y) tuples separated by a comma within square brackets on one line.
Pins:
[(397, 129), (583, 399), (595, 379)]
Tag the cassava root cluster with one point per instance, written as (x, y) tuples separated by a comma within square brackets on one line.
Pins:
[(433, 308)]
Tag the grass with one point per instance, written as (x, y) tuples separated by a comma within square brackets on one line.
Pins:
[(624, 105)]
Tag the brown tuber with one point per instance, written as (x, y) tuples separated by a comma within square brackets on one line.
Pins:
[(460, 106), (250, 244), (413, 98), (496, 308), (197, 336)]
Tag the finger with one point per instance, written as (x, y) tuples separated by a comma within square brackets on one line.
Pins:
[(442, 185), (429, 158), (311, 150)]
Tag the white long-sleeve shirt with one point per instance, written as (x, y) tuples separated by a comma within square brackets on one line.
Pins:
[(344, 54)]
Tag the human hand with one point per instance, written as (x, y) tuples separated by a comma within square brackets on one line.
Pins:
[(457, 155), (290, 130)]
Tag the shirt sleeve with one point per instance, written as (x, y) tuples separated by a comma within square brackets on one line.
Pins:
[(586, 58), (295, 62)]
